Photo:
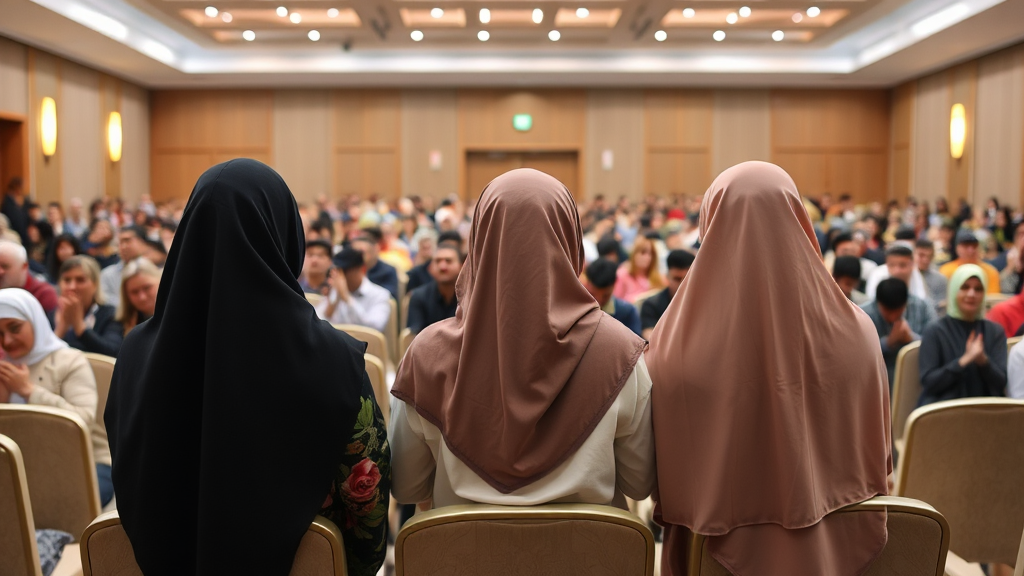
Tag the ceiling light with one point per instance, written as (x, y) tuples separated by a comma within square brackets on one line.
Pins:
[(211, 11), (249, 35), (732, 18), (813, 11), (718, 35), (483, 35), (485, 16), (436, 13), (689, 13), (798, 17), (282, 11), (332, 13), (554, 35), (538, 15), (745, 12), (660, 35), (314, 35), (295, 17), (778, 35), (226, 16), (416, 35), (582, 13)]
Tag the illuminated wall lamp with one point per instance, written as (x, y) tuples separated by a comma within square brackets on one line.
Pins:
[(114, 136), (957, 130), (48, 126)]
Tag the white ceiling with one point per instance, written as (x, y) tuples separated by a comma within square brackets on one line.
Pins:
[(880, 44)]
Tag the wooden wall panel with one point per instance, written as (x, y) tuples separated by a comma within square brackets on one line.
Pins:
[(81, 133), (135, 158), (902, 110), (678, 134), (931, 139), (44, 72), (13, 78), (430, 120), (742, 128), (615, 122), (367, 142), (963, 88), (485, 119), (302, 142), (999, 118), (366, 173)]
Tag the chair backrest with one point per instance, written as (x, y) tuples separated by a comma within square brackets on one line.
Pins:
[(59, 465), (106, 550), (906, 389), (639, 300), (403, 285), (550, 539), (376, 344), (992, 299), (391, 334), (966, 458), (103, 370), (1011, 342), (1019, 566), (378, 379), (917, 545), (405, 311), (314, 298), (404, 341), (18, 553)]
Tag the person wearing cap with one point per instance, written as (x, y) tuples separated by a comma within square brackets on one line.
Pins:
[(131, 244), (316, 268), (967, 253), (353, 299)]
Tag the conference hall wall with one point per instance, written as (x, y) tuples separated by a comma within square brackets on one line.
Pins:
[(81, 166)]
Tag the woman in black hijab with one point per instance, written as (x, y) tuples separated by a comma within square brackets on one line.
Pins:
[(235, 415)]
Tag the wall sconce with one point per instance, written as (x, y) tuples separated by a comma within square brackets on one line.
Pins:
[(48, 126), (957, 130), (114, 136)]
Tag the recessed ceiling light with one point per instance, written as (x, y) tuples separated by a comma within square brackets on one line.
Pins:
[(485, 16), (582, 13), (798, 17), (436, 13), (295, 17), (554, 35), (813, 11), (314, 35), (226, 16), (249, 35), (778, 35), (332, 13), (660, 35), (745, 12), (416, 35), (211, 11), (282, 11), (689, 13), (732, 18), (483, 35), (718, 35), (538, 15)]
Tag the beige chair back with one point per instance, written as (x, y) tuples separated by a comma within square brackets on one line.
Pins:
[(403, 285), (966, 458), (906, 389), (376, 344), (404, 341), (1019, 571), (378, 379), (1011, 342), (404, 318), (59, 465), (314, 299), (103, 370), (549, 539), (992, 299), (641, 298), (917, 545), (391, 334), (18, 553), (106, 550)]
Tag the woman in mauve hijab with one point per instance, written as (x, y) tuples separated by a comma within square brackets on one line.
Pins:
[(531, 394), (235, 415), (771, 403)]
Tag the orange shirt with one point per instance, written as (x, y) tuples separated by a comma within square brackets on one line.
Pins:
[(948, 268)]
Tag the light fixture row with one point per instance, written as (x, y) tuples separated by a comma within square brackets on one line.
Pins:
[(745, 12), (483, 35), (48, 130)]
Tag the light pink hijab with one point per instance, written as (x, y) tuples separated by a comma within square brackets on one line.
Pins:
[(770, 401)]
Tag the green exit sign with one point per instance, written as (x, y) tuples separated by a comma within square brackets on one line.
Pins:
[(522, 122)]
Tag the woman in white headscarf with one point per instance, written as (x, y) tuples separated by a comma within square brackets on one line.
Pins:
[(40, 368)]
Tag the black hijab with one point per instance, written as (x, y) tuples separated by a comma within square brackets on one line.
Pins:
[(229, 409)]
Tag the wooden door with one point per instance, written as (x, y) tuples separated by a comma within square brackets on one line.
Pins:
[(13, 150), (482, 167)]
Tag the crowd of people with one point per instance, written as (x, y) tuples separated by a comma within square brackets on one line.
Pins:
[(543, 325)]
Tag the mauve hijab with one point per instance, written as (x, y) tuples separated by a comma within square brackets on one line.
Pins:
[(771, 406), (522, 375)]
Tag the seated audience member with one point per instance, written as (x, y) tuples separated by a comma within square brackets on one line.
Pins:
[(322, 230), (379, 272), (750, 427), (353, 298), (1009, 314), (131, 244), (608, 248), (967, 253), (600, 281), (13, 207), (5, 231), (640, 273), (84, 319), (55, 217), (477, 393), (316, 268), (41, 369), (899, 318), (1015, 373), (847, 244), (436, 300), (140, 281), (679, 262), (100, 243), (223, 380), (934, 282), (846, 273), (64, 246), (420, 274), (155, 251), (1011, 278), (14, 273), (963, 355), (40, 239), (899, 263), (76, 223)]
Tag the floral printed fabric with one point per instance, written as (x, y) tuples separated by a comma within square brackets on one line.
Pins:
[(360, 494)]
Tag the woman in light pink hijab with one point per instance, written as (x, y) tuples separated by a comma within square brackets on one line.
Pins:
[(771, 407)]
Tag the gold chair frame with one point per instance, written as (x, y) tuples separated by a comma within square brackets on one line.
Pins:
[(22, 504)]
